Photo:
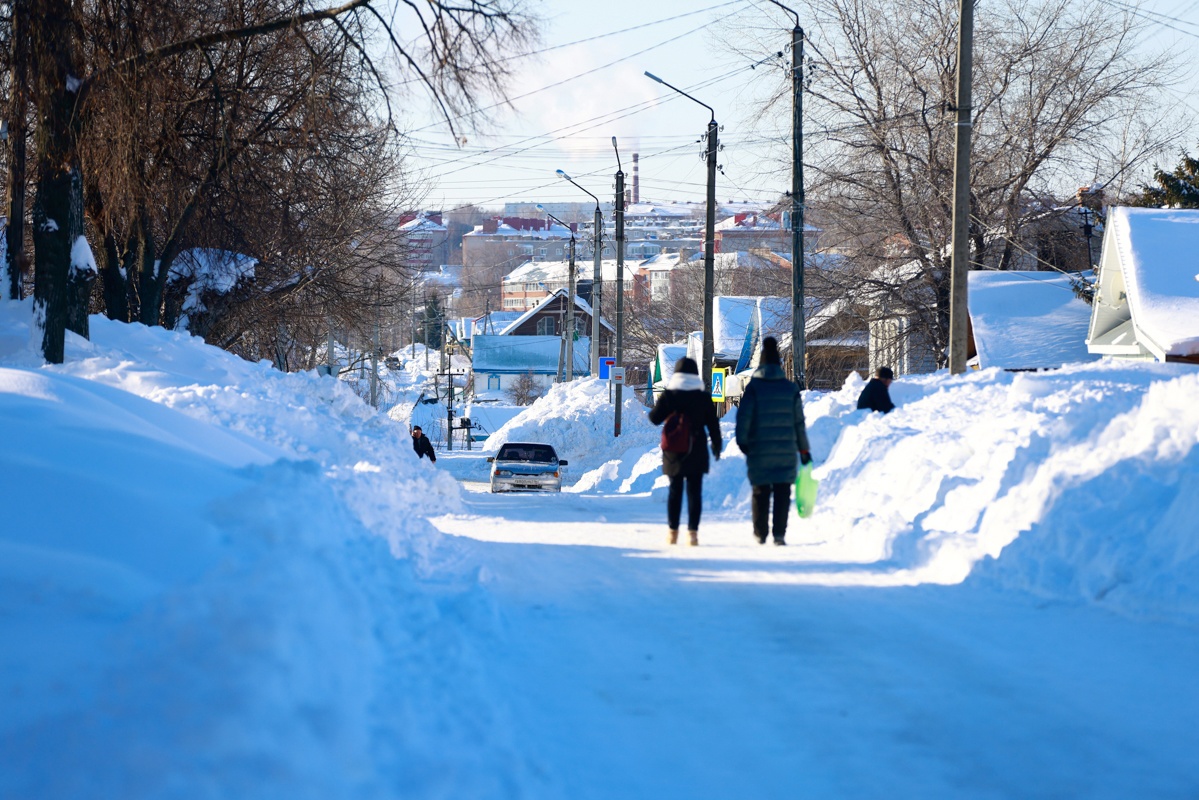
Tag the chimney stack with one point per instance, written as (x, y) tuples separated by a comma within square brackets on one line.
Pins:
[(636, 179)]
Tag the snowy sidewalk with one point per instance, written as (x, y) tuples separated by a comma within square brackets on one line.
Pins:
[(637, 670)]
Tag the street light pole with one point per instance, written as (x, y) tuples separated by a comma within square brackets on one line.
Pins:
[(709, 233), (619, 214), (568, 322), (596, 279), (798, 345)]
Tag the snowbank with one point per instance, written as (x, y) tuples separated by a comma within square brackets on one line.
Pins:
[(577, 419), (1079, 482), (1074, 483), (217, 580)]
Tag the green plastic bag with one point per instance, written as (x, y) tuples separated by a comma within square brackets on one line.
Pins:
[(805, 491)]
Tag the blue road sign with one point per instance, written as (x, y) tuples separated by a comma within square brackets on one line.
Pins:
[(606, 363)]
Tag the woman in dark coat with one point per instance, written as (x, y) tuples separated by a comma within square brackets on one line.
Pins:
[(770, 431), (685, 392)]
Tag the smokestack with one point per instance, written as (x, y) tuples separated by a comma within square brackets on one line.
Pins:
[(636, 179)]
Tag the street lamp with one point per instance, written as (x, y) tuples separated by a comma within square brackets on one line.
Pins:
[(798, 349), (709, 234), (618, 212), (568, 322), (596, 278)]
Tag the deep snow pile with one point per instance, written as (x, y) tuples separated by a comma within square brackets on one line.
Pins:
[(577, 419), (216, 580), (1082, 482)]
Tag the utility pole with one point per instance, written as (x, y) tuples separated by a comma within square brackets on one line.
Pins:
[(619, 214), (710, 256), (570, 313), (597, 291), (568, 321), (709, 233), (960, 264), (798, 345), (449, 393), (375, 365), (597, 279)]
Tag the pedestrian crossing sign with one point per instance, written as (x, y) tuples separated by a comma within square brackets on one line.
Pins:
[(718, 376)]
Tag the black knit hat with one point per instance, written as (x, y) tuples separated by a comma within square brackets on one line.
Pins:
[(770, 350), (687, 366)]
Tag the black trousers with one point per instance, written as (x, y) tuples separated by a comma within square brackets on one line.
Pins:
[(695, 501), (761, 508)]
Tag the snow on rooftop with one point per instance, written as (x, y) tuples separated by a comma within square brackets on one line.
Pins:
[(1027, 320), (1157, 250), (422, 224)]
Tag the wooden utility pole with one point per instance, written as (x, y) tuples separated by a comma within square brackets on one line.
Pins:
[(619, 213), (960, 264)]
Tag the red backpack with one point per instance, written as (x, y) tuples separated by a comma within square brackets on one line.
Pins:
[(676, 433)]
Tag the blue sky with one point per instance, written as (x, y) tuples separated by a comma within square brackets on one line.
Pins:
[(581, 115), (559, 121)]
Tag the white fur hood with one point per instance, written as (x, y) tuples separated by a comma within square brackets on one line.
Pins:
[(685, 382)]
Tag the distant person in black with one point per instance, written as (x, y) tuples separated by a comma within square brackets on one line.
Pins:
[(685, 393), (421, 444), (875, 396)]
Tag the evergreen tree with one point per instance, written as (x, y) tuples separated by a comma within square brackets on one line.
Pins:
[(1177, 189), (432, 323)]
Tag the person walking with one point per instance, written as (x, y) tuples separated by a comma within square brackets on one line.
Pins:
[(422, 445), (875, 395), (771, 432), (687, 397)]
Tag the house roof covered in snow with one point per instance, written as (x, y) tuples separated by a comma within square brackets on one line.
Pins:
[(1027, 320), (580, 304), (559, 271), (423, 224), (1147, 301)]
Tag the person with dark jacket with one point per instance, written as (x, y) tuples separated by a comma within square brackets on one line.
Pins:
[(771, 432), (422, 445), (875, 396), (685, 392)]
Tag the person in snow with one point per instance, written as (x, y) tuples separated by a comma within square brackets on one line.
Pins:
[(875, 396), (422, 445), (686, 394), (771, 433)]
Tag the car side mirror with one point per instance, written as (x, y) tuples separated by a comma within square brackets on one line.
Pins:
[(562, 463), (490, 459)]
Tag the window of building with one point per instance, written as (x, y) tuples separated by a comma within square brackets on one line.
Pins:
[(543, 252), (545, 326), (493, 382)]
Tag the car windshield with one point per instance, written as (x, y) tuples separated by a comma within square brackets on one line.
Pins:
[(527, 452)]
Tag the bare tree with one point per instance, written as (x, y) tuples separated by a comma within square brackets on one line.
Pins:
[(1063, 94), (447, 47), (524, 389)]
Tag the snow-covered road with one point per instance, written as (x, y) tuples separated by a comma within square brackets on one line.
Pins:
[(733, 670)]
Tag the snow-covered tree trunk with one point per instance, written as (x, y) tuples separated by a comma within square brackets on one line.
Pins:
[(58, 203), (11, 265)]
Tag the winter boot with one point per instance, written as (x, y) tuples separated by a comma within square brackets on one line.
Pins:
[(761, 537), (778, 540), (673, 536), (694, 538)]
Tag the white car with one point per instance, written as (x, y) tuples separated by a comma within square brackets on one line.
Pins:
[(527, 466)]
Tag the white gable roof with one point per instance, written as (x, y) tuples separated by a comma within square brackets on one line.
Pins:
[(580, 304), (1147, 303), (1027, 320)]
